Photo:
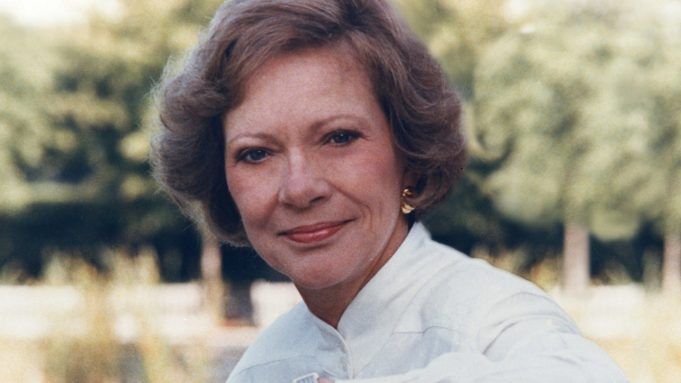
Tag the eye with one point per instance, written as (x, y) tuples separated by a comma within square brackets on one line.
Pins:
[(253, 156), (342, 137)]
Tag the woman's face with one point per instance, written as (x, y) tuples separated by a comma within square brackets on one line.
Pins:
[(312, 168)]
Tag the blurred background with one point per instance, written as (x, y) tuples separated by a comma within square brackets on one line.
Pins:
[(573, 117)]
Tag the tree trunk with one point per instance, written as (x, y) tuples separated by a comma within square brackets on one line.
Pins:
[(671, 264), (575, 258), (211, 274), (239, 310)]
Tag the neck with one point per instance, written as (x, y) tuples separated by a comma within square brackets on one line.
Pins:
[(329, 304)]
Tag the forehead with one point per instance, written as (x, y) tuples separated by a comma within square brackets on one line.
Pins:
[(330, 63), (301, 84)]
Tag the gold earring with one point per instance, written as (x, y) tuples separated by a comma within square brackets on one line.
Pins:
[(405, 207)]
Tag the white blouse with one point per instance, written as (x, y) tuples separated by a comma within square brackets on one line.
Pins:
[(432, 314)]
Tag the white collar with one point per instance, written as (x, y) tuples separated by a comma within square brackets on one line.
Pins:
[(371, 317)]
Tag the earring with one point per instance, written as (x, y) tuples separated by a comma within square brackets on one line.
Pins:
[(405, 207)]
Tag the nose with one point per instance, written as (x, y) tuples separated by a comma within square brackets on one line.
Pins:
[(303, 185)]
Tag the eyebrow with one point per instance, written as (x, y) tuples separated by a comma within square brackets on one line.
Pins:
[(316, 126), (264, 136)]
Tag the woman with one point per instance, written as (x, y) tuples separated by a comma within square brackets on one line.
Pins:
[(318, 131)]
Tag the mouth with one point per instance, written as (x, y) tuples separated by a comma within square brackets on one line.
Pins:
[(313, 233)]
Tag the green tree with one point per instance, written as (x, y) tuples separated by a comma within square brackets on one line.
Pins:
[(664, 149), (82, 175), (549, 102), (24, 75), (25, 64)]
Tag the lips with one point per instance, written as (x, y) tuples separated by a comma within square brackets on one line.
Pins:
[(313, 233)]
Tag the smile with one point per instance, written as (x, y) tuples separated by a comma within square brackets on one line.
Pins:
[(313, 233)]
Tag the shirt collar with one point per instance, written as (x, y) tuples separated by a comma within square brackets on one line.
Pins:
[(371, 317)]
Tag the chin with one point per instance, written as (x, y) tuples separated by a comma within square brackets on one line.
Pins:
[(319, 280), (314, 283)]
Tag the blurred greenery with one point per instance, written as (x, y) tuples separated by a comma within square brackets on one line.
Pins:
[(572, 113), (568, 104), (75, 137)]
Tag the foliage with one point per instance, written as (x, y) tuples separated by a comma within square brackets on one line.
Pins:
[(572, 115), (78, 176), (25, 65), (567, 100), (456, 32)]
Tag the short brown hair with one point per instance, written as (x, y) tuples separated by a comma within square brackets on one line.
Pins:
[(423, 111)]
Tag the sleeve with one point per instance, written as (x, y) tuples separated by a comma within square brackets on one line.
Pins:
[(525, 338)]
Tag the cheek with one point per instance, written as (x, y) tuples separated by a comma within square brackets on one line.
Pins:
[(246, 195), (372, 181), (382, 172)]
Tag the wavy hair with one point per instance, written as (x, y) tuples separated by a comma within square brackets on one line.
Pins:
[(411, 88)]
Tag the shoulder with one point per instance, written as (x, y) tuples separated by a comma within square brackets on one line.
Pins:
[(467, 278), (462, 289), (284, 339)]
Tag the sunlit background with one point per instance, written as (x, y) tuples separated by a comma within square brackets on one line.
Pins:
[(50, 13), (573, 119)]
